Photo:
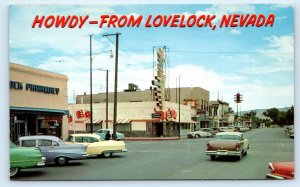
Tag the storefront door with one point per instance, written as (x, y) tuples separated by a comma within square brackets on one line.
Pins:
[(159, 129), (20, 128)]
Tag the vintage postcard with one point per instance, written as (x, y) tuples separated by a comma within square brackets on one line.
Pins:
[(151, 92)]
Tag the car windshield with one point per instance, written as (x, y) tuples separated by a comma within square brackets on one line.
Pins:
[(227, 137)]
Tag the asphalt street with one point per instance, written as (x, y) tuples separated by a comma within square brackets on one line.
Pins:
[(174, 159)]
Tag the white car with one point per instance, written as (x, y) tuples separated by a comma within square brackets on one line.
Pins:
[(96, 146), (199, 134)]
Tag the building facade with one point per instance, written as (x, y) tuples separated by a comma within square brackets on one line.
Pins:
[(38, 102), (220, 114), (195, 97), (134, 119)]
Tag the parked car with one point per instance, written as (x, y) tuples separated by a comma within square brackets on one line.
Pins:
[(24, 157), (102, 132), (281, 170), (291, 133), (96, 146), (288, 128), (54, 149), (241, 129), (199, 134), (225, 129), (217, 129), (213, 132), (228, 144)]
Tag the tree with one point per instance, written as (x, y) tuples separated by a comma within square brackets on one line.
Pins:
[(290, 116), (272, 114)]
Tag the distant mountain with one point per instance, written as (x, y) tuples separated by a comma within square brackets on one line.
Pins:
[(259, 112)]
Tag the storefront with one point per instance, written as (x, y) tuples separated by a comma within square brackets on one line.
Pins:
[(134, 119), (38, 102)]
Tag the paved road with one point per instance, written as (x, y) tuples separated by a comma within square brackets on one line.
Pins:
[(176, 159)]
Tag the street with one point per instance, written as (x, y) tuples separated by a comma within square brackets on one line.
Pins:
[(175, 159)]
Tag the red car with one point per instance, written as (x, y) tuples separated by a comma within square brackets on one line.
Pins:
[(281, 170)]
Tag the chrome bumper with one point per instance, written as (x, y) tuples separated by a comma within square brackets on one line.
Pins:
[(269, 175), (84, 156), (224, 153), (42, 162)]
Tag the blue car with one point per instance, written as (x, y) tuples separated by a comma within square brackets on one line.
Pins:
[(102, 133)]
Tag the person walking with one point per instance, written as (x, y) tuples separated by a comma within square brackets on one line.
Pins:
[(107, 136)]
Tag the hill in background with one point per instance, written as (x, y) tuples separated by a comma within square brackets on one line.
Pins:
[(259, 112)]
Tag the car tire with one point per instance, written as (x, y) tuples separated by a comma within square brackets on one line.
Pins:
[(213, 157), (197, 136), (245, 153), (106, 155), (61, 161), (14, 171)]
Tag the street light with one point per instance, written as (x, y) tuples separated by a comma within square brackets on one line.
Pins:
[(116, 82), (91, 81), (106, 109)]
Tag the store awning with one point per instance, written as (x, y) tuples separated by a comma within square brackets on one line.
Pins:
[(95, 121), (123, 121), (46, 110), (184, 121)]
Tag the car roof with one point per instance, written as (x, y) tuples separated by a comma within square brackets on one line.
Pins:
[(230, 133), (36, 137), (85, 135)]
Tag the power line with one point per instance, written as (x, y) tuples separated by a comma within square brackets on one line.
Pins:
[(215, 52)]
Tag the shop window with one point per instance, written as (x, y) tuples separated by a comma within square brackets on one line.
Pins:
[(28, 143), (96, 127), (185, 126), (124, 127)]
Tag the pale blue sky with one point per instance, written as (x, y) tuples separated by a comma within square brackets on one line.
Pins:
[(258, 62)]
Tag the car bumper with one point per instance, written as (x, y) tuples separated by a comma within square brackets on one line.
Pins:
[(84, 156), (269, 175), (190, 136), (224, 153), (42, 162)]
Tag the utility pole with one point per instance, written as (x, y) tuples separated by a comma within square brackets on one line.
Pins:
[(179, 104), (116, 82), (106, 99), (91, 83)]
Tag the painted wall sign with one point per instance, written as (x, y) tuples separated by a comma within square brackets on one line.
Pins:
[(33, 87)]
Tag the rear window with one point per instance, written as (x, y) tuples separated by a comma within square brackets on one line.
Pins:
[(228, 137)]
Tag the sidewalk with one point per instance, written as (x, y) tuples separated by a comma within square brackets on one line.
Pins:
[(150, 138)]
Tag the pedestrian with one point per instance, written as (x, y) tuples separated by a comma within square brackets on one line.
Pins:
[(107, 136)]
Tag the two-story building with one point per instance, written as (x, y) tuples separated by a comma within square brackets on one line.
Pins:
[(220, 114), (38, 102)]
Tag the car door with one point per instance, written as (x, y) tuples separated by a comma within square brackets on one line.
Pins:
[(47, 149), (96, 146)]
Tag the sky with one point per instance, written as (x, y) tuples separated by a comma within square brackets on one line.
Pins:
[(257, 62)]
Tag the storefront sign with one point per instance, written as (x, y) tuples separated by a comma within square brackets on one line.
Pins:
[(169, 114), (81, 114), (33, 87), (155, 115)]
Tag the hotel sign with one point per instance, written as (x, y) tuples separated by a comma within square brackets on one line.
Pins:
[(33, 87)]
